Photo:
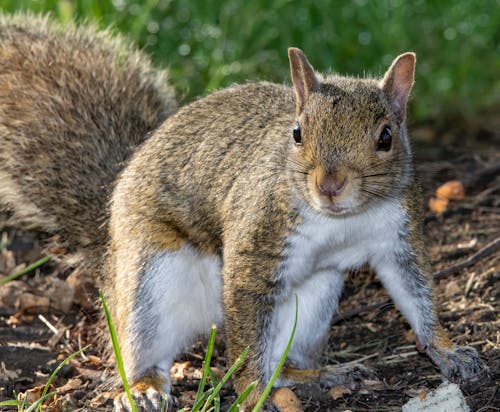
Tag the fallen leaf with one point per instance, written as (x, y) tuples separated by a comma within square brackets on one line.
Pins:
[(11, 293), (422, 395), (286, 400), (94, 360), (219, 373), (30, 301), (452, 190), (71, 385), (338, 391), (438, 205), (178, 370), (61, 295), (31, 395), (373, 385), (409, 336), (452, 289)]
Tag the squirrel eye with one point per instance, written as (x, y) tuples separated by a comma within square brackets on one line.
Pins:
[(385, 140), (296, 135)]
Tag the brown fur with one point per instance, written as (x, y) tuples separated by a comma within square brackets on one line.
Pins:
[(74, 103)]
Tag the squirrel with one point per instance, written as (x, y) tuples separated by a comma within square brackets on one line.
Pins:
[(231, 209)]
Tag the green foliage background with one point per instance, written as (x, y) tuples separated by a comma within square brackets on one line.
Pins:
[(209, 44)]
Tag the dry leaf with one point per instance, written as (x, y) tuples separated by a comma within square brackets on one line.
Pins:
[(338, 391), (94, 360), (11, 293), (83, 288), (438, 205), (71, 385), (30, 301), (452, 190), (179, 369), (422, 395), (53, 404), (409, 336), (373, 385), (286, 400), (61, 294), (31, 395), (219, 373), (452, 289)]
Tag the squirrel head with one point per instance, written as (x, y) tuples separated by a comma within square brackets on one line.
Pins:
[(349, 143)]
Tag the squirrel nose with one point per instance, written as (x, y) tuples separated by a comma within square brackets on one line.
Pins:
[(331, 185)]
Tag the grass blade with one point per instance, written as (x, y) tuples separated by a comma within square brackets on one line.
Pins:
[(116, 348), (27, 269), (213, 379), (206, 364), (11, 402), (200, 397), (226, 377), (56, 371), (240, 399), (40, 401), (277, 371)]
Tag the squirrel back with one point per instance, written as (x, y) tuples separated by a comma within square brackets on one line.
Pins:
[(74, 103)]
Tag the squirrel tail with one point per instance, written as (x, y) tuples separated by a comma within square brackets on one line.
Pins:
[(74, 103)]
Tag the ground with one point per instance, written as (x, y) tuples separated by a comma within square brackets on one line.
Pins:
[(45, 316)]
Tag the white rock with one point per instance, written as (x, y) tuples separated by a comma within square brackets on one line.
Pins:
[(447, 398)]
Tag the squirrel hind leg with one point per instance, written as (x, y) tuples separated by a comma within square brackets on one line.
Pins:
[(177, 298), (148, 394)]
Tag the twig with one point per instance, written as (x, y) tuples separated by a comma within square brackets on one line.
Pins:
[(485, 251), (355, 312), (359, 360), (48, 324)]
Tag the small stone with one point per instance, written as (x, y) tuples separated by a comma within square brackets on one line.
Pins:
[(448, 397)]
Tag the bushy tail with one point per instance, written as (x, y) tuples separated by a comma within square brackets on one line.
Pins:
[(74, 103)]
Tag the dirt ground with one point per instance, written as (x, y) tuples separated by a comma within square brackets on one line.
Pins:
[(48, 314)]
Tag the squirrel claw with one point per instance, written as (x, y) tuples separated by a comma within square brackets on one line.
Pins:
[(462, 365), (150, 400), (352, 376)]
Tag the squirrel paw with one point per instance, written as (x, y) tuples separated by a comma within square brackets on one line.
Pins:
[(150, 400), (462, 365), (352, 376)]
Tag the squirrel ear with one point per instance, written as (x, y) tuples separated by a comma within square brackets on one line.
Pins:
[(303, 77), (398, 81)]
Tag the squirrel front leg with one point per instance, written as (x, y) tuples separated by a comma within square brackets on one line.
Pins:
[(406, 274), (260, 302), (248, 302)]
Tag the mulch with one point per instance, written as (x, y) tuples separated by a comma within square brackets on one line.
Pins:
[(44, 317)]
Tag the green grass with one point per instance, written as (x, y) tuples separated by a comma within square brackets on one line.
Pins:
[(209, 45), (116, 349), (22, 404), (27, 269)]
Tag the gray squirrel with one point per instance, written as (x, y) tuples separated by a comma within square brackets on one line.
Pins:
[(232, 207)]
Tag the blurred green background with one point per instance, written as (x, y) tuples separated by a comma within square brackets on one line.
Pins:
[(211, 44)]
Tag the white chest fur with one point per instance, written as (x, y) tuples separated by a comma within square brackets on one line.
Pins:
[(341, 243)]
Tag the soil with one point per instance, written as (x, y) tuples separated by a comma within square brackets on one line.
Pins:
[(44, 316)]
